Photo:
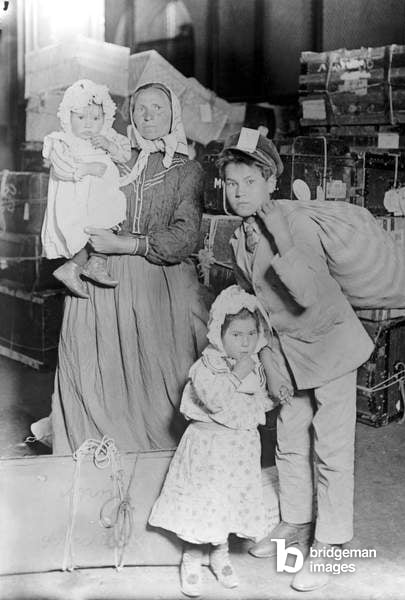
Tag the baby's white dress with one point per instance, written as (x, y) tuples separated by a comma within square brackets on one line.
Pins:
[(75, 204)]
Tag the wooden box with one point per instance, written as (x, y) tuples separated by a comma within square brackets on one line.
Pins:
[(214, 191), (34, 529), (383, 172), (31, 159), (72, 507), (381, 380), (30, 324), (327, 167), (214, 251)]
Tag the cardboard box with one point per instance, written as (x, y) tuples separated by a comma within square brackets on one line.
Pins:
[(40, 115), (204, 114), (58, 66), (151, 67)]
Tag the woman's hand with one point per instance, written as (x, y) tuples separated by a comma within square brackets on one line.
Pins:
[(105, 241), (276, 223)]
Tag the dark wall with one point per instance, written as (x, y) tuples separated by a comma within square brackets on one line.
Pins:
[(288, 30), (8, 88), (250, 49), (356, 23)]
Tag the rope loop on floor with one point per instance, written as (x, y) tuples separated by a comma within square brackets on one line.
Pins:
[(105, 454)]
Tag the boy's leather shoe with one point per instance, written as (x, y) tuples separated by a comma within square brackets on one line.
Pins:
[(290, 532), (312, 576)]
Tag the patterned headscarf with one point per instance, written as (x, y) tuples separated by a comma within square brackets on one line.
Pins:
[(174, 141), (230, 301)]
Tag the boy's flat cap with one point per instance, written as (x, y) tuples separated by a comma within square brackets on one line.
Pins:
[(264, 153)]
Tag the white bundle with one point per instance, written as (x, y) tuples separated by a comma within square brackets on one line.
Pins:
[(363, 258)]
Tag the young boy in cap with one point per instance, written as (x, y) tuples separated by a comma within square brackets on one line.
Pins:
[(279, 257)]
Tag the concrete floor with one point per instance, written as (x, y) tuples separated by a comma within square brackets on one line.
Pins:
[(379, 523)]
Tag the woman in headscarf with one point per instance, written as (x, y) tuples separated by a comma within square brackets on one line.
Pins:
[(125, 353)]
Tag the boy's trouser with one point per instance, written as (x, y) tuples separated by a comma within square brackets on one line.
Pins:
[(322, 420)]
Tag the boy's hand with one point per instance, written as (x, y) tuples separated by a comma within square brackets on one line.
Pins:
[(97, 169), (101, 141), (243, 366), (276, 223)]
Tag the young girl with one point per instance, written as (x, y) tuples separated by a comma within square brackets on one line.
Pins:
[(213, 486), (84, 183)]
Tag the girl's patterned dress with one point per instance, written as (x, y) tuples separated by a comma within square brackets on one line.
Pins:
[(214, 483)]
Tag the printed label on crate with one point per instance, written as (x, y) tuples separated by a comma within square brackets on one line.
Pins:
[(388, 140), (336, 189), (355, 83), (206, 113), (314, 109)]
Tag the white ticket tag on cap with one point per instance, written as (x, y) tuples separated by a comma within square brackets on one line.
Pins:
[(248, 139)]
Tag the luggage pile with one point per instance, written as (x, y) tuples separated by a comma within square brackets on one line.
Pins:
[(353, 87), (29, 294)]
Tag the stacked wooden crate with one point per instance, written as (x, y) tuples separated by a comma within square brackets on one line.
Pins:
[(31, 299), (31, 302), (351, 87)]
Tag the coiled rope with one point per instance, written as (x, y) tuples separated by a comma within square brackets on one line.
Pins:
[(105, 454)]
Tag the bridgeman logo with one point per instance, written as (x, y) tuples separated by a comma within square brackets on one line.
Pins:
[(282, 555), (326, 559)]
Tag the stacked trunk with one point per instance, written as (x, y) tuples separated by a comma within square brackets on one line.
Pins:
[(31, 300), (353, 87)]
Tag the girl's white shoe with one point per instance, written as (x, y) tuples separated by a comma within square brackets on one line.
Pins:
[(222, 567), (190, 575)]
